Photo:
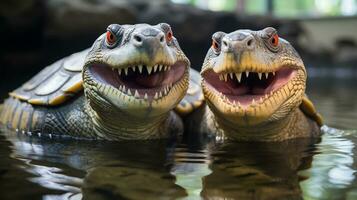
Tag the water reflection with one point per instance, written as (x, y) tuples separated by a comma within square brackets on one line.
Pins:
[(258, 170), (128, 170), (190, 166), (194, 168), (31, 154), (332, 175)]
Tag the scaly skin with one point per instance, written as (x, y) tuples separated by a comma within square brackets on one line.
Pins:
[(118, 114), (148, 61), (263, 107)]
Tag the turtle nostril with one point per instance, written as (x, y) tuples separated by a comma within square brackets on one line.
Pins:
[(162, 38), (138, 38), (225, 43), (250, 42)]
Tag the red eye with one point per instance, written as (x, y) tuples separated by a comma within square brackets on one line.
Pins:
[(111, 39), (215, 45), (275, 40), (169, 36)]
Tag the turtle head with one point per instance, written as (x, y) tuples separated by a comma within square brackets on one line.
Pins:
[(139, 70), (252, 77)]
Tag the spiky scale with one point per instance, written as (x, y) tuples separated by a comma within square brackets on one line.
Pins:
[(194, 97), (55, 84), (308, 108), (75, 62)]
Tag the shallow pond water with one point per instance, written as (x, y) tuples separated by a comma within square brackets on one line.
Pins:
[(194, 167)]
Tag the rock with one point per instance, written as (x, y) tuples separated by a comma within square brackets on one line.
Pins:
[(86, 17)]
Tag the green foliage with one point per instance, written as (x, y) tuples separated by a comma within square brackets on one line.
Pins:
[(281, 8)]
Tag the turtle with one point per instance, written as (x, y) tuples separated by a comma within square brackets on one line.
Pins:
[(254, 88), (127, 86)]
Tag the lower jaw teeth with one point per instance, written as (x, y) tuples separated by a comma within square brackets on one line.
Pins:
[(219, 95), (134, 92)]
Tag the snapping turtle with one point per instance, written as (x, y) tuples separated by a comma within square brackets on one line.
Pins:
[(124, 87), (254, 85)]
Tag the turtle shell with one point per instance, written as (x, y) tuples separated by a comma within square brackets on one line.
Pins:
[(56, 83), (194, 97), (308, 109)]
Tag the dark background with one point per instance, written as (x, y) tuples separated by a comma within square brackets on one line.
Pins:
[(35, 33)]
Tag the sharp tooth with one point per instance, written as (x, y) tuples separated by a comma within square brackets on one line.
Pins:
[(133, 68), (155, 67), (129, 92), (160, 94), (123, 88), (149, 69), (146, 96), (126, 71), (136, 94), (266, 75), (165, 68), (120, 87), (260, 75), (220, 77), (238, 76), (261, 100), (273, 73), (140, 67), (247, 74), (165, 91), (169, 68), (253, 102), (160, 67), (119, 71), (231, 75), (155, 97), (225, 77)]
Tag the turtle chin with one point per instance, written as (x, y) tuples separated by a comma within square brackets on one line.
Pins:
[(139, 90)]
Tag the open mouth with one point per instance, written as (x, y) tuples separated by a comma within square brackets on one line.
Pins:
[(141, 81), (247, 87)]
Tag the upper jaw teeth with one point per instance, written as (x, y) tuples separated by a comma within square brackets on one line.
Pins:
[(149, 69), (231, 75)]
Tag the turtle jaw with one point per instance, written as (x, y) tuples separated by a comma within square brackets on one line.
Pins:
[(252, 97), (141, 81), (140, 89)]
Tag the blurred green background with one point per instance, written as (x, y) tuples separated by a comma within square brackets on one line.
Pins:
[(279, 8)]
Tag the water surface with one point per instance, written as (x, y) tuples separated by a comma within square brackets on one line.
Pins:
[(193, 167)]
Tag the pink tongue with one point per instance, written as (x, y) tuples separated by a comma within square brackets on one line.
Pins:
[(230, 88), (153, 80), (259, 90)]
